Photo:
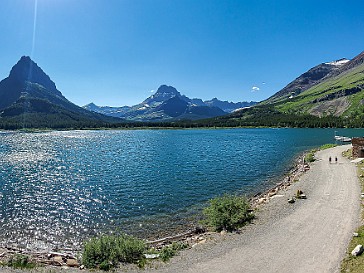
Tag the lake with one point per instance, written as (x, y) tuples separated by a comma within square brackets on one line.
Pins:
[(58, 188)]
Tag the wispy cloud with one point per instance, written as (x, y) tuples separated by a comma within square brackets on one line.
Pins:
[(255, 88), (151, 91)]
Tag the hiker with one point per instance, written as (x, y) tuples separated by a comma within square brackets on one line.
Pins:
[(335, 159), (330, 159)]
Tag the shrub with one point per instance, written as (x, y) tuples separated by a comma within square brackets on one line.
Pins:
[(107, 251), (20, 261), (310, 157), (169, 251), (227, 212)]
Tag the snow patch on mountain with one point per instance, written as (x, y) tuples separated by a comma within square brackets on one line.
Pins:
[(339, 62)]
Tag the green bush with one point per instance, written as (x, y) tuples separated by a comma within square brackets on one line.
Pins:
[(107, 251), (20, 261), (310, 157), (227, 212), (169, 251)]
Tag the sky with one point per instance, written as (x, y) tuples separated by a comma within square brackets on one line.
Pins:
[(118, 52)]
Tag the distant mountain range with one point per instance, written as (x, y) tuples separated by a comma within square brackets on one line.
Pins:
[(169, 104), (330, 94), (29, 98)]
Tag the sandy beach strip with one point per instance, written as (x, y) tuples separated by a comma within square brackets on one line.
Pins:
[(310, 235)]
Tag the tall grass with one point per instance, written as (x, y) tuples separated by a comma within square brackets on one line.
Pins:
[(327, 146)]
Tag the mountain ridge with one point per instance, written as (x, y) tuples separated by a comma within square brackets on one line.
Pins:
[(158, 107), (339, 93), (334, 100), (306, 80)]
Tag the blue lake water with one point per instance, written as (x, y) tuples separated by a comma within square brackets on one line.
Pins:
[(58, 188)]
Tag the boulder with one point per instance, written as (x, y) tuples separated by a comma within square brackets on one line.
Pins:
[(357, 250), (200, 229), (72, 263), (58, 259), (223, 232)]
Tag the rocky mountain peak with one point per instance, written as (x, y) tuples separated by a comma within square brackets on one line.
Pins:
[(347, 65), (163, 93), (167, 90), (27, 70)]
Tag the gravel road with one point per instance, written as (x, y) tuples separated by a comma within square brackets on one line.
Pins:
[(310, 235)]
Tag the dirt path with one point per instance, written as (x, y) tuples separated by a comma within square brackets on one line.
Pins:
[(308, 236)]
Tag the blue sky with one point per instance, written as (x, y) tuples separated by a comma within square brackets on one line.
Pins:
[(116, 52)]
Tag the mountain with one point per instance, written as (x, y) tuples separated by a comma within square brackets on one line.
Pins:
[(107, 110), (307, 80), (29, 98), (178, 107), (328, 95), (340, 94), (227, 106), (356, 61), (173, 107), (169, 104), (163, 94)]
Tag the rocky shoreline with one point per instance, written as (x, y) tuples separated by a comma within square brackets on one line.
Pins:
[(67, 258), (299, 168)]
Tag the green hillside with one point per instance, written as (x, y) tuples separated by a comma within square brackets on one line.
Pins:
[(341, 95), (330, 98)]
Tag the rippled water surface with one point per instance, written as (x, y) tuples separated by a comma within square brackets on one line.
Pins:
[(58, 188)]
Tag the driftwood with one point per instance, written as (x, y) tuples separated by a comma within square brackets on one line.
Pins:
[(66, 255), (172, 238)]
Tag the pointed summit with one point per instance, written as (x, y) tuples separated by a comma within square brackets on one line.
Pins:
[(163, 94), (167, 90), (27, 70), (29, 98)]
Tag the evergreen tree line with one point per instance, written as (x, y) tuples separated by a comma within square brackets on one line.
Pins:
[(263, 116)]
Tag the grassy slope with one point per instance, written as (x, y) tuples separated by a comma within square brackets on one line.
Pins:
[(351, 263), (350, 79)]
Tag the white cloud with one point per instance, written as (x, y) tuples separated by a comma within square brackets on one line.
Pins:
[(255, 88), (151, 91)]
